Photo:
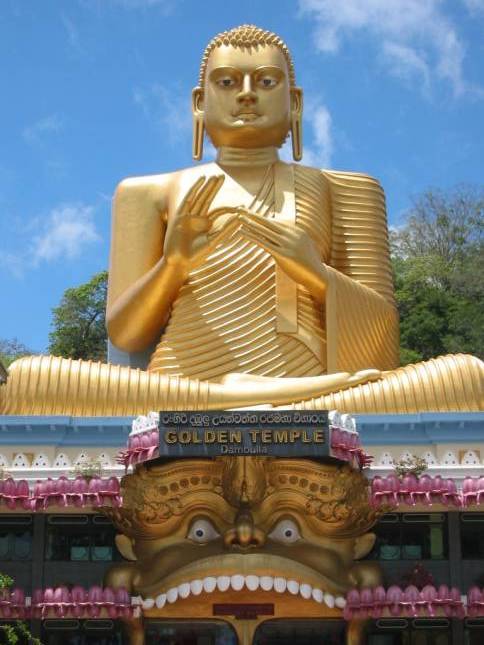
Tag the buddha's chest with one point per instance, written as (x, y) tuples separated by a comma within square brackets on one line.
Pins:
[(293, 194), (245, 187)]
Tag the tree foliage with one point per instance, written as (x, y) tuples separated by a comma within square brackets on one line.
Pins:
[(438, 264), (79, 324), (11, 349), (16, 632)]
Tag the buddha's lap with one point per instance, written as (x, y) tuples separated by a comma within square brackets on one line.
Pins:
[(52, 385)]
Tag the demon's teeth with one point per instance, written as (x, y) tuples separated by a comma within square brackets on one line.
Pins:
[(252, 582), (280, 585), (223, 583), (305, 590), (317, 595), (237, 582), (329, 600), (160, 600), (209, 584), (184, 590), (266, 583), (172, 595)]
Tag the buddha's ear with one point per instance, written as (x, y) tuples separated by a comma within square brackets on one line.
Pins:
[(125, 547), (296, 100), (296, 122), (197, 101), (363, 545), (198, 126)]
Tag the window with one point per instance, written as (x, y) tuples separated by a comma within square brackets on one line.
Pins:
[(474, 631), (81, 632), (411, 536), (80, 538), (472, 535), (419, 631), (161, 632), (16, 537), (302, 632)]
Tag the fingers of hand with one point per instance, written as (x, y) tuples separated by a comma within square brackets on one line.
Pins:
[(206, 195), (191, 193), (258, 229), (262, 242), (270, 224)]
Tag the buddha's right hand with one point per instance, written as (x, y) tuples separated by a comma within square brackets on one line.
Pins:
[(190, 237)]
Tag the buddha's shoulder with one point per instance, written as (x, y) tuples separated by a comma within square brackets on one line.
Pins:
[(338, 177), (162, 181), (157, 191)]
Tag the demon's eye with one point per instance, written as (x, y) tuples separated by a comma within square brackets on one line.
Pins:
[(286, 531), (202, 531)]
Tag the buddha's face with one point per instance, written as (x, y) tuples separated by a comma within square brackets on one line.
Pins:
[(247, 99)]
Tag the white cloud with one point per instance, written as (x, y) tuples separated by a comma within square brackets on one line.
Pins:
[(66, 231), (414, 37), (167, 109), (474, 6), (318, 145), (51, 124), (72, 32), (62, 234), (320, 151), (405, 63)]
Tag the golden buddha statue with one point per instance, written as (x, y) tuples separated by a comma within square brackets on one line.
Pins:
[(260, 282)]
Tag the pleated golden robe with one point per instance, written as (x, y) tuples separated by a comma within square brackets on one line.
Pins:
[(226, 317)]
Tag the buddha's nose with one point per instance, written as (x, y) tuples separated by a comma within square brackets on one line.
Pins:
[(247, 94)]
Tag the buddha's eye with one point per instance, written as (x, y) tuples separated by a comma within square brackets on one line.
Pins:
[(226, 82), (202, 531), (267, 81), (286, 531)]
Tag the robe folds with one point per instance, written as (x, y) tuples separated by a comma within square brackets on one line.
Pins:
[(240, 313)]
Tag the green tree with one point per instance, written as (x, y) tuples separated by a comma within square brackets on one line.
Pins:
[(79, 325), (438, 265), (16, 632), (11, 349)]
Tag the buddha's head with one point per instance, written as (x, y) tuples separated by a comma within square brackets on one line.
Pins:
[(247, 96), (201, 520)]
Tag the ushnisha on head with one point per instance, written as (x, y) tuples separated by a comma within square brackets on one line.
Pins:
[(247, 96)]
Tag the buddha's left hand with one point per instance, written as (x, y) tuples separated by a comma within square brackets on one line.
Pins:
[(291, 247)]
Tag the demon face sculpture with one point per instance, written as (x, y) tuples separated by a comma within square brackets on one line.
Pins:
[(244, 529)]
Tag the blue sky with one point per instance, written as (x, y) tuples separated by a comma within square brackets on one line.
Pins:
[(96, 90)]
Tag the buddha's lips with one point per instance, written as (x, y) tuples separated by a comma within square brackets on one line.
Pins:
[(247, 115), (243, 571), (246, 111)]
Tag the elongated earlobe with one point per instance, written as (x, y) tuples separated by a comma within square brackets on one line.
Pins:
[(198, 126), (296, 123)]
